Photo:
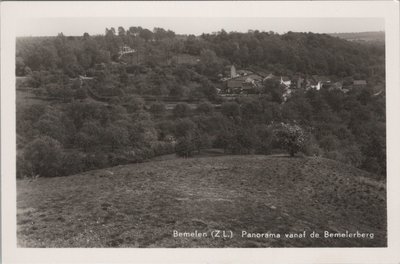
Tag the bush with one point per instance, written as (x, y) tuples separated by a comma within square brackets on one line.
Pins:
[(205, 108), (116, 137), (230, 109), (80, 94), (72, 163), (157, 109), (202, 141), (241, 142), (96, 160), (263, 140), (184, 127), (292, 138), (24, 167), (162, 148), (185, 147), (181, 110), (44, 156), (353, 156)]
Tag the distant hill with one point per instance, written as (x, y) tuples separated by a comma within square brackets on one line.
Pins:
[(369, 37), (140, 205)]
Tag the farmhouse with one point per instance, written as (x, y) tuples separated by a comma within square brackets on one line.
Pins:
[(125, 50), (286, 81), (317, 82), (359, 83), (243, 83), (335, 86), (267, 76), (243, 72)]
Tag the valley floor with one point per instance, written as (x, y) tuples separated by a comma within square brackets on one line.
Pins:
[(141, 205)]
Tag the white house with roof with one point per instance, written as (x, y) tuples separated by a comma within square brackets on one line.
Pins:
[(286, 81)]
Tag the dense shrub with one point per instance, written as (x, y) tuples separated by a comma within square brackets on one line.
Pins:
[(181, 110), (292, 138), (72, 163), (162, 148), (185, 147), (43, 156)]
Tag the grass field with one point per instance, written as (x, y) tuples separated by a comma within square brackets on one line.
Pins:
[(140, 205)]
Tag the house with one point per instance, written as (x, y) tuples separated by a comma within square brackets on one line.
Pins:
[(235, 73), (336, 86), (312, 84), (125, 50), (317, 82), (240, 84), (286, 81), (268, 76), (233, 85), (243, 72), (359, 83)]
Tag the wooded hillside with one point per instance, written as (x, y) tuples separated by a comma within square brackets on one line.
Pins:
[(82, 104)]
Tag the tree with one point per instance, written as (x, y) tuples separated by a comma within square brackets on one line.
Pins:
[(146, 34), (210, 64), (159, 33), (116, 136), (250, 109), (133, 103), (157, 109), (89, 136), (292, 138), (205, 108), (241, 141), (185, 147), (121, 31), (184, 127), (44, 156), (50, 124), (181, 110), (275, 91), (230, 109), (201, 141), (80, 94), (19, 66)]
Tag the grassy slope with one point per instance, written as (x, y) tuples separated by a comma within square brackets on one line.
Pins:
[(140, 205)]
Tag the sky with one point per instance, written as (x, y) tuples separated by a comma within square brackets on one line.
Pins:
[(192, 25)]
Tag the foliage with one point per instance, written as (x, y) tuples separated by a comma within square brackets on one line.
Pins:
[(230, 109), (185, 146), (43, 156), (181, 110), (126, 107), (157, 109), (292, 138)]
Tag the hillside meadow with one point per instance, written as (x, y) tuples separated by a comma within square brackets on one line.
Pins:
[(140, 205)]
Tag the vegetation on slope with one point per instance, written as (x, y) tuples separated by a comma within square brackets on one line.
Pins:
[(140, 205), (129, 109)]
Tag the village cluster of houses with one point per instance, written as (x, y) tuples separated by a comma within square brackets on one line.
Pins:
[(251, 82)]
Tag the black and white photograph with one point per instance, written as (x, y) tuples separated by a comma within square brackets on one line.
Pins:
[(200, 132)]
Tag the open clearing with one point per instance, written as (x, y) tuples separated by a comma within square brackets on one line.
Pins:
[(140, 205)]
